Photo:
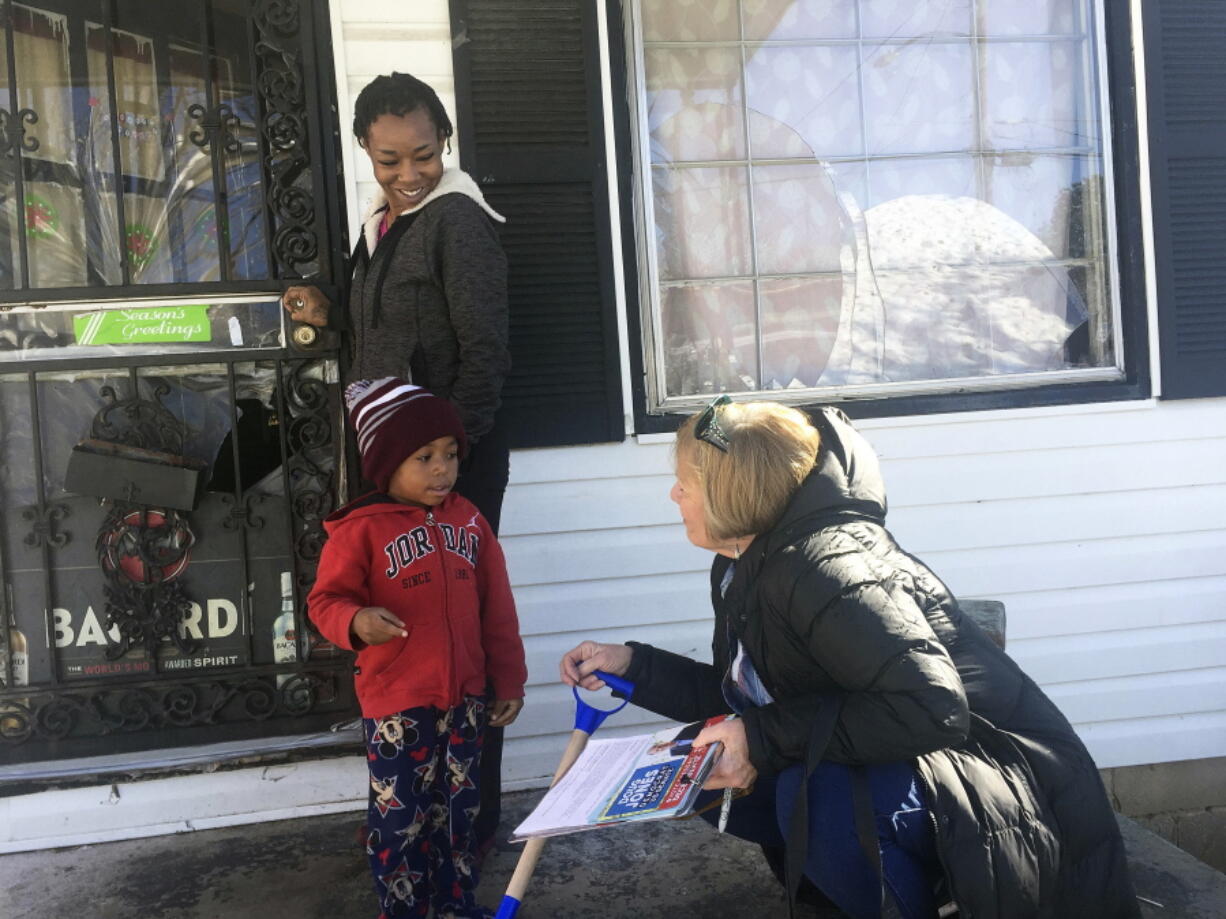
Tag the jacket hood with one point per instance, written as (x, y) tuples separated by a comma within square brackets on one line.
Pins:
[(453, 182), (845, 484), (376, 503)]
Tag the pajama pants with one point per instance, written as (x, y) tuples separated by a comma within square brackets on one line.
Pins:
[(424, 797)]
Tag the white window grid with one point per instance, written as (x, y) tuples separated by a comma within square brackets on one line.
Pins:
[(1090, 31)]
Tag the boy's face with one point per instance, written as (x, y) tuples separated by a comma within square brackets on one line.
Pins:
[(428, 476)]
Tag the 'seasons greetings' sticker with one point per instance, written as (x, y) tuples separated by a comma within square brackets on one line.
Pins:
[(141, 326)]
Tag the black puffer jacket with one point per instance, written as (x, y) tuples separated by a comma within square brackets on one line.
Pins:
[(829, 608)]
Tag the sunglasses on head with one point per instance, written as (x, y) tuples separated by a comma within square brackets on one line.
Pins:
[(707, 428)]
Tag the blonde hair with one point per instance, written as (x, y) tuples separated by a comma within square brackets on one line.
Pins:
[(771, 449)]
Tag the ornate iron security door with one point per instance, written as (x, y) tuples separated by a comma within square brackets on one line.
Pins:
[(167, 455)]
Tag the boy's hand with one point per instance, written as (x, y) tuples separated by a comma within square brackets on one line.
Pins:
[(375, 625), (504, 711)]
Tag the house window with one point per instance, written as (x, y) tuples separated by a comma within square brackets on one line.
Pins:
[(866, 198), (132, 140)]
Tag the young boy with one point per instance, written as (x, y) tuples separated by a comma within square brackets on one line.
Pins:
[(412, 579)]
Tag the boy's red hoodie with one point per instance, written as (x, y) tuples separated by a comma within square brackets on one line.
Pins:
[(441, 571)]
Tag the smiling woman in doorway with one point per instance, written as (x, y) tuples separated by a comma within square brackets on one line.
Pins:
[(428, 303)]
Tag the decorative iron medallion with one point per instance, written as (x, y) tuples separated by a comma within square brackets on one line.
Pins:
[(143, 551), (138, 422)]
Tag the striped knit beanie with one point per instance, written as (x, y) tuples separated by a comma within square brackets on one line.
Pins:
[(393, 419)]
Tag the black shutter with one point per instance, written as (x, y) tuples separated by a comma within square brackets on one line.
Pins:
[(531, 132), (1186, 68)]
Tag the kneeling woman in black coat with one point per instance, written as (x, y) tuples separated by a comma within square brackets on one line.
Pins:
[(896, 754)]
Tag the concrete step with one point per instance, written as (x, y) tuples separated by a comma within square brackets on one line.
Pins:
[(313, 868)]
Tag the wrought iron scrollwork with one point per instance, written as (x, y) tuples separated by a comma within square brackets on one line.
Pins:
[(13, 131), (138, 422), (280, 15), (243, 513), (45, 530), (287, 161), (311, 468), (218, 127), (103, 710)]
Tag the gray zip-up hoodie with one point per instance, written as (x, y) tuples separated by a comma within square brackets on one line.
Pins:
[(428, 301)]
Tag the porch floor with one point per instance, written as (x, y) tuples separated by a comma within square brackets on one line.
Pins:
[(313, 868)]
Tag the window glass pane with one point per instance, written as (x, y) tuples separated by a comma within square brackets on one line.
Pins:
[(1054, 197), (805, 101), (1035, 17), (785, 20), (991, 319), (710, 340), (192, 215), (54, 220), (184, 203), (694, 104), (690, 20), (232, 70), (953, 176), (139, 129), (800, 319), (919, 99), (9, 211), (702, 222), (924, 196), (910, 19), (800, 224), (1033, 96)]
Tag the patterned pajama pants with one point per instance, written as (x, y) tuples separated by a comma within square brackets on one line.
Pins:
[(423, 801)]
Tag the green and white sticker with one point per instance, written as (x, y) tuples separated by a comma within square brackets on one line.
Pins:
[(142, 326)]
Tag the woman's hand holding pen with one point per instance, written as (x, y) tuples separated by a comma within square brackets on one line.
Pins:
[(579, 662), (733, 768), (306, 303)]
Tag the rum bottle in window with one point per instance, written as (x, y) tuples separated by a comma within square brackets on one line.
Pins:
[(18, 652), (284, 635)]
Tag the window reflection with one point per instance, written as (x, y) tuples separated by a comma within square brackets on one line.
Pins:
[(877, 192), (172, 101)]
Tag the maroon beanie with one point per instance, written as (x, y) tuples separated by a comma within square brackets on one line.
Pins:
[(393, 419)]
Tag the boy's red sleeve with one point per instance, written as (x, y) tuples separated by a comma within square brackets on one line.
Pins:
[(340, 590), (504, 649)]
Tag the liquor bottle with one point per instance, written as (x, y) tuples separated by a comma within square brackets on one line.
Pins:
[(18, 651), (20, 655), (284, 636)]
